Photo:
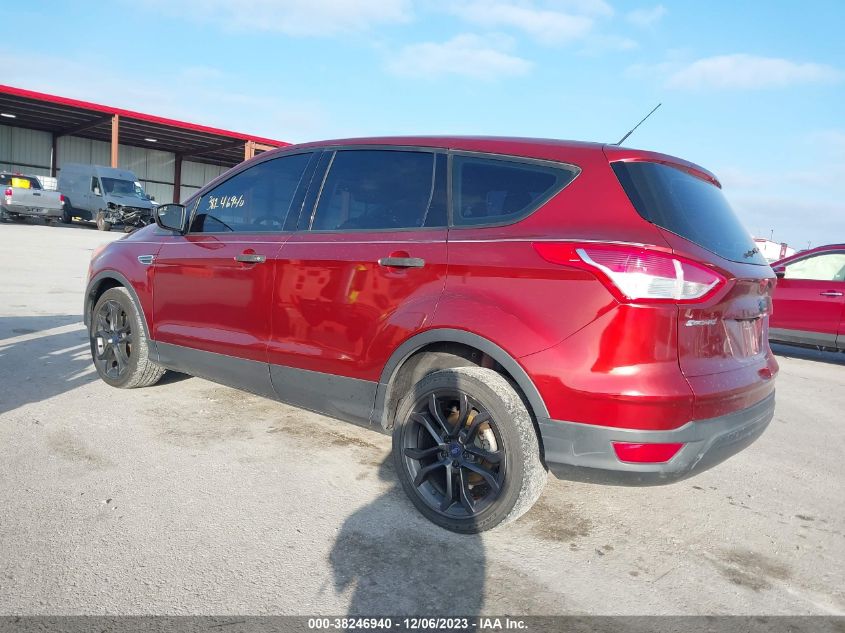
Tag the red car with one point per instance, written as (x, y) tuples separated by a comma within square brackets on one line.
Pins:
[(809, 301), (502, 306)]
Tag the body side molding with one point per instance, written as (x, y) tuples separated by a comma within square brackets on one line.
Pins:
[(349, 399), (240, 373), (804, 337)]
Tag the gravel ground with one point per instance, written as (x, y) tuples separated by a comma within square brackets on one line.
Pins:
[(193, 498)]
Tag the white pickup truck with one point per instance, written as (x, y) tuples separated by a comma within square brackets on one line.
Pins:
[(24, 196)]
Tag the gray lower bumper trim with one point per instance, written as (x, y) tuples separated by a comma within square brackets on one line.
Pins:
[(585, 452)]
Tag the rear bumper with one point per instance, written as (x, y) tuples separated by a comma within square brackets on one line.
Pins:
[(35, 212), (584, 452)]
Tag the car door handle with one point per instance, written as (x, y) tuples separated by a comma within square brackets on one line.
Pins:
[(401, 262), (831, 293), (251, 258)]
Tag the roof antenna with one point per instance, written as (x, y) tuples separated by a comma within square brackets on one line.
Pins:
[(622, 140)]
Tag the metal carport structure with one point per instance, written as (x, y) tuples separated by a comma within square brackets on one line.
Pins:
[(66, 117)]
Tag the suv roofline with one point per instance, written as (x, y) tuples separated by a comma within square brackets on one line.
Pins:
[(615, 154), (543, 148), (448, 141)]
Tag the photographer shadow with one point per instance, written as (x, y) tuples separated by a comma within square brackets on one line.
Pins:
[(401, 564)]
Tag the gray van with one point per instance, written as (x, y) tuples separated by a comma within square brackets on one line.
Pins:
[(106, 195)]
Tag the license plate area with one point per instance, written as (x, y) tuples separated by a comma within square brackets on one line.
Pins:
[(745, 336)]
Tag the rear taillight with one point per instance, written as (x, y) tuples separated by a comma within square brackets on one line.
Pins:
[(8, 192), (636, 273), (62, 198)]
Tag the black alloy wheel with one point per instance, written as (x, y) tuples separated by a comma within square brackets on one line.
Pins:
[(112, 340), (465, 449), (452, 453), (119, 345)]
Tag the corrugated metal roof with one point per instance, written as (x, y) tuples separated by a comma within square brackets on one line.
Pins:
[(62, 115)]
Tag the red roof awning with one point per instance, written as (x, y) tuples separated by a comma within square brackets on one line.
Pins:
[(65, 116)]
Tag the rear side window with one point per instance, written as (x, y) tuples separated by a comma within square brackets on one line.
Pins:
[(380, 189), (255, 200), (687, 206), (492, 191)]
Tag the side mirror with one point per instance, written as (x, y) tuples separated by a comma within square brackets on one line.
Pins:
[(152, 198), (173, 217), (780, 271)]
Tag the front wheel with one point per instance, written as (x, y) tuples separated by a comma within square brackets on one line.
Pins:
[(102, 224), (119, 345), (465, 450)]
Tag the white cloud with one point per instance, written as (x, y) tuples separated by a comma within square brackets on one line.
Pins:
[(291, 17), (795, 220), (646, 17), (465, 55), (584, 7), (829, 142), (824, 178), (749, 72), (545, 25), (800, 203), (598, 44)]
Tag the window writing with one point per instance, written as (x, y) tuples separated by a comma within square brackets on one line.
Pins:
[(256, 200)]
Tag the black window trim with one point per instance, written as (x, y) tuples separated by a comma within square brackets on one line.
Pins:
[(450, 154), (307, 213), (509, 158), (237, 171)]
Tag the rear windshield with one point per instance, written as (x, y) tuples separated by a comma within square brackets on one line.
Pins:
[(19, 182), (687, 206)]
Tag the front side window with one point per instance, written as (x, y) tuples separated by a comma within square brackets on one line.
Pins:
[(824, 267), (256, 200), (494, 191), (382, 189), (95, 186)]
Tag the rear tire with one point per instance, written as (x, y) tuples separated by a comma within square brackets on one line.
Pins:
[(465, 450), (67, 212), (119, 346), (102, 225)]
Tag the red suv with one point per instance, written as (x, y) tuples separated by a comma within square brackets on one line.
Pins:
[(809, 302), (503, 306)]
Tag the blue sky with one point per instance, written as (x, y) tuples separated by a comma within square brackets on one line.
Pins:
[(754, 91)]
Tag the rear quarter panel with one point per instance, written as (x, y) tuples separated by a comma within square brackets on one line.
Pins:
[(500, 288)]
